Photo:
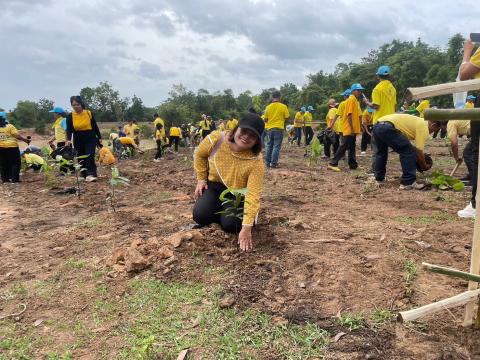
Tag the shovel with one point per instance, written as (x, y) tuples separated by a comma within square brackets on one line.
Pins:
[(455, 168)]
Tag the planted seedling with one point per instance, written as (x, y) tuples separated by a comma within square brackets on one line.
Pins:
[(232, 202), (116, 180), (446, 182), (314, 151)]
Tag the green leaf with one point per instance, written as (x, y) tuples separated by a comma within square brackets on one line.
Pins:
[(459, 186), (443, 187)]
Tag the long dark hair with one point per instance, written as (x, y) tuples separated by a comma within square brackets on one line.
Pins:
[(78, 99), (255, 149), (3, 121)]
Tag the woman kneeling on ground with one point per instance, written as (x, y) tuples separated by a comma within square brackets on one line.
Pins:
[(230, 159)]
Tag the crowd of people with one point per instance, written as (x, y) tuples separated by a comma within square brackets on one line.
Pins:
[(228, 154)]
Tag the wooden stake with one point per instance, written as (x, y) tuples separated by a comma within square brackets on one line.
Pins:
[(475, 259), (451, 272), (452, 114), (442, 89), (454, 301)]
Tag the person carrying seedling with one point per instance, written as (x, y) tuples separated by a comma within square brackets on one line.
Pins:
[(105, 156), (33, 161), (230, 160), (367, 127), (332, 137), (351, 128), (396, 131), (470, 69), (276, 113), (308, 118), (175, 135), (298, 123)]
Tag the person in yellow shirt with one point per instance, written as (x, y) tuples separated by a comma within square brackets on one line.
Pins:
[(470, 104), (456, 128), (59, 127), (276, 113), (331, 140), (128, 142), (231, 160), (367, 126), (396, 131), (422, 106), (160, 140), (205, 126), (105, 156), (158, 120), (175, 135), (470, 69), (232, 123), (298, 123), (132, 130), (351, 128), (337, 123), (221, 125), (308, 118), (33, 161), (82, 127)]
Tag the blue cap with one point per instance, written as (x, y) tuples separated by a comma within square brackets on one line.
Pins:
[(57, 110), (3, 114), (357, 86), (370, 110), (384, 70), (310, 108), (347, 92), (302, 109), (471, 97)]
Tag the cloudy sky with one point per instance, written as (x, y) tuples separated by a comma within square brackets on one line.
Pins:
[(53, 48)]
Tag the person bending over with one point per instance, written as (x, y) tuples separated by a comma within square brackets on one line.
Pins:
[(230, 160)]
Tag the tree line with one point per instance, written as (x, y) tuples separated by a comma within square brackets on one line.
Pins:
[(413, 64)]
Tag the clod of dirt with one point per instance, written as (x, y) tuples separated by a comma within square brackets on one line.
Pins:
[(226, 302), (423, 245), (176, 239), (136, 242), (117, 256), (164, 253), (134, 261), (372, 257)]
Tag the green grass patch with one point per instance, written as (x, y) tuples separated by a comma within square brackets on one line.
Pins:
[(351, 321), (75, 264), (410, 271), (426, 219), (380, 316), (90, 223)]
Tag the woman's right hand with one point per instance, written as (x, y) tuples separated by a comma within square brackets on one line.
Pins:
[(201, 186)]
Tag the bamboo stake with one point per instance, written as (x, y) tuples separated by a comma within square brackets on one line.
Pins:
[(442, 89), (451, 272), (475, 259), (452, 114), (454, 301)]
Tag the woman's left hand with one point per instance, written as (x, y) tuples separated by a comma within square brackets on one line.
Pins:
[(245, 238)]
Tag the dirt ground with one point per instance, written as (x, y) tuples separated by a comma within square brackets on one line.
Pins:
[(329, 246)]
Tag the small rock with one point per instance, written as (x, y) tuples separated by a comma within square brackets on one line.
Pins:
[(278, 289), (136, 243), (118, 255), (58, 248), (302, 285), (164, 253), (226, 258), (38, 322), (339, 336), (226, 302), (134, 261), (187, 236), (197, 235), (383, 237), (8, 274), (423, 245), (175, 240), (372, 257), (166, 271)]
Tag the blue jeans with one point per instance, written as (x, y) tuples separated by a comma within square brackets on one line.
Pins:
[(386, 135), (274, 143), (298, 135)]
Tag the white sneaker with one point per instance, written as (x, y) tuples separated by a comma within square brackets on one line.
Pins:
[(363, 153), (157, 160), (90, 178), (414, 186), (468, 212)]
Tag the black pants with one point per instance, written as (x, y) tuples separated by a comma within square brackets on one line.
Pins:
[(331, 142), (308, 135), (349, 143), (205, 133), (474, 137), (468, 158), (176, 140), (85, 143), (159, 153), (205, 211), (366, 139), (10, 164)]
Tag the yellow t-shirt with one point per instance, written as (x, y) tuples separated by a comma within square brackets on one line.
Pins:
[(33, 159), (458, 128), (413, 127), (475, 61), (352, 106), (275, 115), (131, 130), (105, 156), (7, 139), (299, 120), (126, 140), (367, 118), (385, 96), (59, 130), (231, 124), (340, 111), (330, 116), (175, 131), (159, 134), (159, 120), (425, 104), (113, 136), (221, 126), (469, 105), (235, 170), (82, 121), (308, 118), (205, 125)]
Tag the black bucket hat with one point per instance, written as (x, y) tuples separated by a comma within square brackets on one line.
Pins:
[(252, 122)]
